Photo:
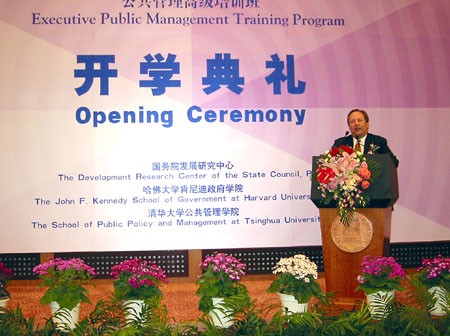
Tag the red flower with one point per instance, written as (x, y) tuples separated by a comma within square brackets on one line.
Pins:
[(365, 184), (349, 150), (334, 151), (325, 175)]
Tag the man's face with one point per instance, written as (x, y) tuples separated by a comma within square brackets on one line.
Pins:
[(358, 125)]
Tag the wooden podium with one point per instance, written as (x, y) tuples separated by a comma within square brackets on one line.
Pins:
[(369, 233)]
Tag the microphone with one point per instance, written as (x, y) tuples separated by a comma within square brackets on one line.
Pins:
[(357, 138), (346, 133)]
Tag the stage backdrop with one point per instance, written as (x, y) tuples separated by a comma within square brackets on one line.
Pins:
[(155, 125)]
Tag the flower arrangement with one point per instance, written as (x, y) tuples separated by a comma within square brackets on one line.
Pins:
[(380, 274), (220, 279), (65, 279), (344, 175), (137, 279), (5, 273), (435, 272), (297, 276), (373, 148)]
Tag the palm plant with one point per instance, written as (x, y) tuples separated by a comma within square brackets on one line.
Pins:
[(13, 323), (416, 314), (250, 317), (105, 319)]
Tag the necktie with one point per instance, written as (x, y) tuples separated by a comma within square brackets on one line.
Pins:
[(358, 146)]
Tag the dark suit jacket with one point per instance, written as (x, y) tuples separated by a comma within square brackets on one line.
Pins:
[(371, 139)]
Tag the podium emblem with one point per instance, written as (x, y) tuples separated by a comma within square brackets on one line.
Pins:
[(354, 238)]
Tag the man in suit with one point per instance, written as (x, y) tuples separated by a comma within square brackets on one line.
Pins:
[(360, 138)]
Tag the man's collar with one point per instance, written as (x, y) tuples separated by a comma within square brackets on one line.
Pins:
[(363, 139)]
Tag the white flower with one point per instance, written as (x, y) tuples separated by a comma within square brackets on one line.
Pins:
[(299, 266)]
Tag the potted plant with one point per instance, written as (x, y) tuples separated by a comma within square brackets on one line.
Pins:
[(434, 274), (137, 282), (219, 281), (296, 283), (5, 273), (379, 279), (65, 279)]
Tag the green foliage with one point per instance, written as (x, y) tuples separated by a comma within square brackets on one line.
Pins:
[(380, 274), (287, 283), (417, 315), (65, 280), (5, 273), (211, 284), (435, 272), (410, 320), (380, 304), (105, 319), (66, 297), (375, 284), (374, 167), (347, 323), (137, 279), (4, 294), (299, 324), (297, 276), (124, 291), (250, 317), (13, 323)]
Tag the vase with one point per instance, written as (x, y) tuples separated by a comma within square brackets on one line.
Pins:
[(63, 317), (133, 309), (220, 315), (439, 294), (291, 305), (377, 303), (3, 302)]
